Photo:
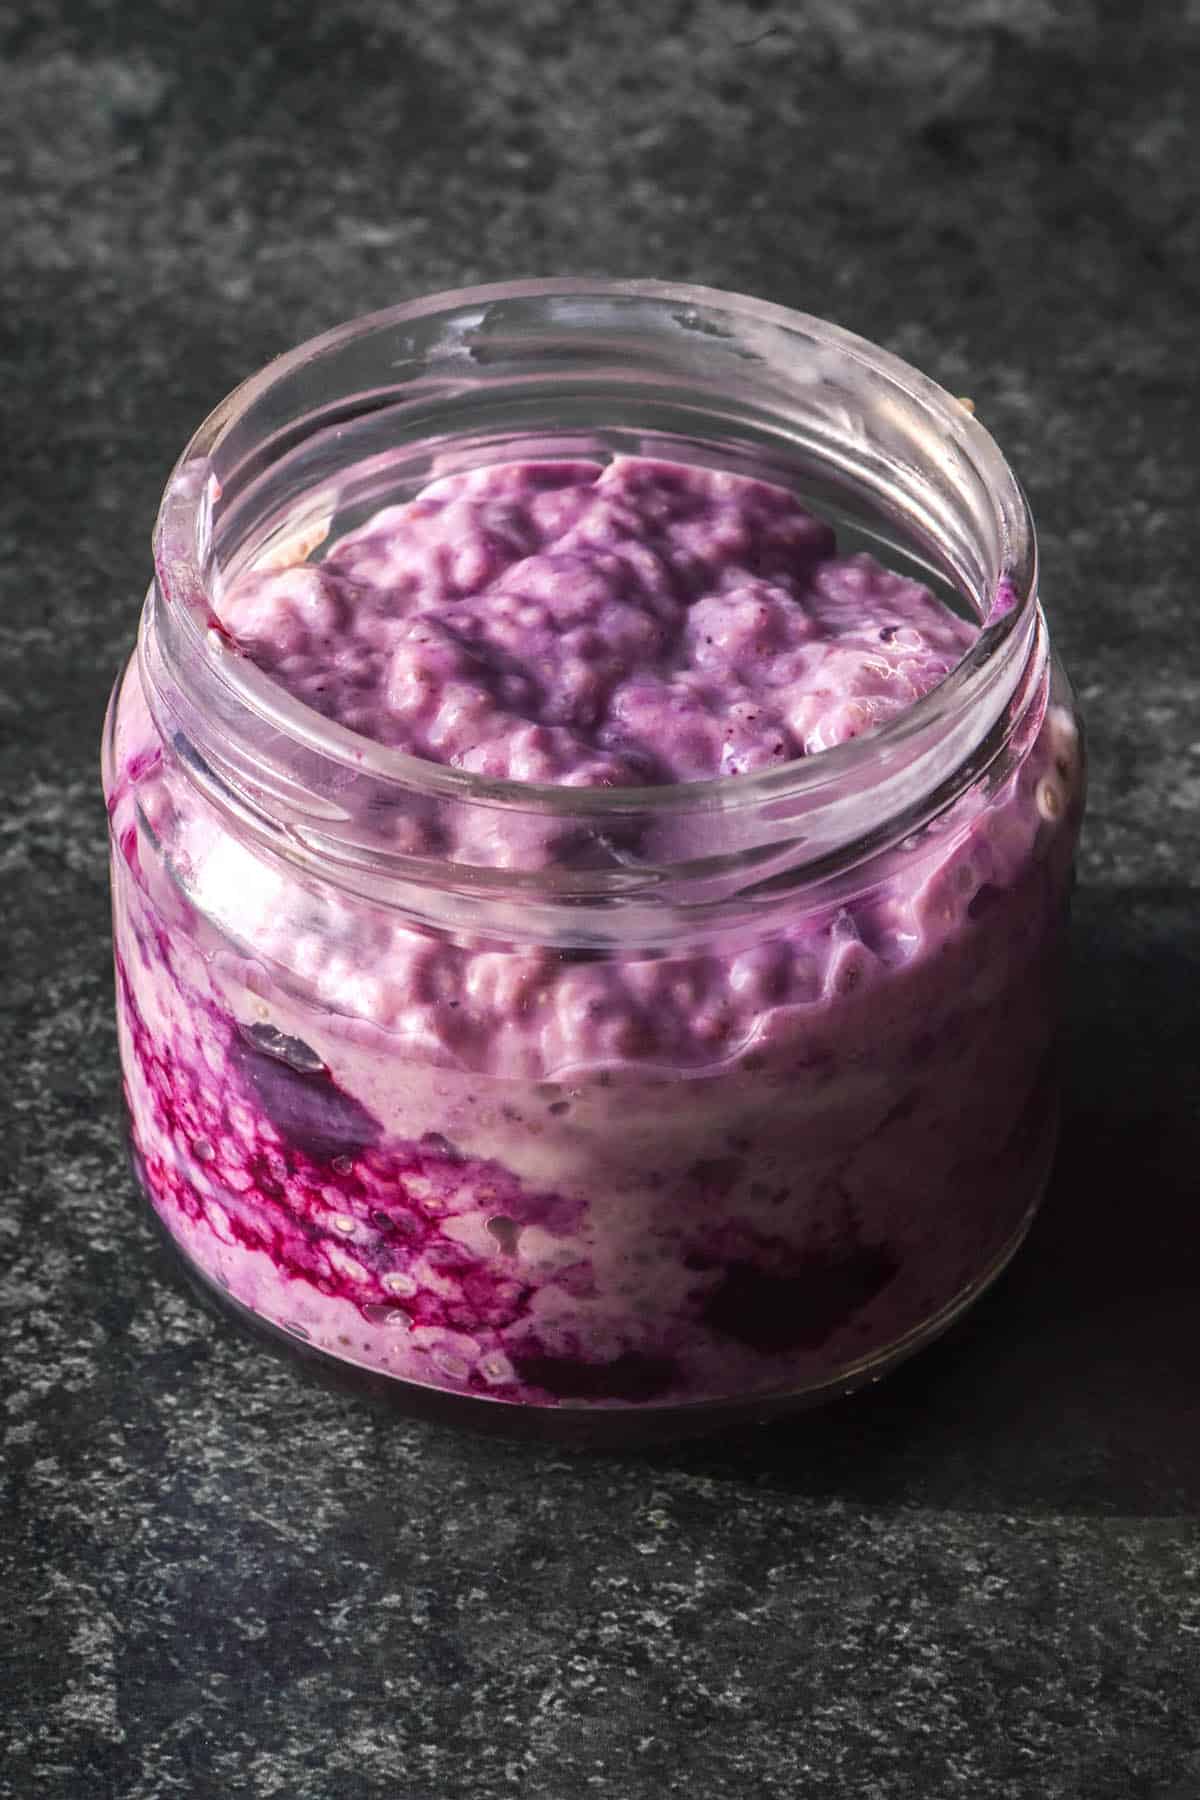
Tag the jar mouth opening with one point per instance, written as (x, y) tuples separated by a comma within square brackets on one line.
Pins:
[(730, 324)]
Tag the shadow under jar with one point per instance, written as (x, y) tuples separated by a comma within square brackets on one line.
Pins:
[(604, 1113)]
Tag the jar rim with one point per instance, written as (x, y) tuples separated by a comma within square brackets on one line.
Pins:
[(183, 579)]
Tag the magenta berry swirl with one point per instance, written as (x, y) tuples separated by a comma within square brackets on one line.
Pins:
[(593, 1180)]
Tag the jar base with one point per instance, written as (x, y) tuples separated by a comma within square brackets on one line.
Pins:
[(571, 1426)]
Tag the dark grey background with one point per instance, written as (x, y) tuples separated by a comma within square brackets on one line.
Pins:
[(982, 1580)]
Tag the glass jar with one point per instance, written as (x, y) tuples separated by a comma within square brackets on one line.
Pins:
[(592, 1113)]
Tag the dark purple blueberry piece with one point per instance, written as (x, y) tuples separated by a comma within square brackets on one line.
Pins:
[(798, 1311), (304, 1103), (631, 1377), (290, 1050)]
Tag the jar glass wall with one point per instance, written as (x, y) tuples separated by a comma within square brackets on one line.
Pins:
[(607, 1111)]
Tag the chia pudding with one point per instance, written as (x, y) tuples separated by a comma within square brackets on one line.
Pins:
[(561, 1177)]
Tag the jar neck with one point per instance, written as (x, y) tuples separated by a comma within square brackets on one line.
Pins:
[(369, 413)]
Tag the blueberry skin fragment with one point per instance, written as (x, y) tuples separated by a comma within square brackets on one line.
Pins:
[(775, 1313), (305, 1105)]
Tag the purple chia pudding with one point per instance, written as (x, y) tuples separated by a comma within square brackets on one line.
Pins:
[(557, 1177)]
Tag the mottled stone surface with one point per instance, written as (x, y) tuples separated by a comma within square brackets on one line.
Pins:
[(984, 1579)]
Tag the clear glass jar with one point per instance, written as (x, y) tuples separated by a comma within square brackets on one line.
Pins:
[(813, 1107)]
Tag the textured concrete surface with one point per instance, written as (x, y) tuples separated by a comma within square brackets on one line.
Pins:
[(982, 1580)]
